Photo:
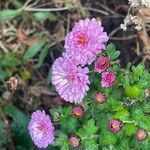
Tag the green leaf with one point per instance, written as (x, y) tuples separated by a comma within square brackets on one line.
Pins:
[(62, 141), (111, 51), (129, 129), (146, 107), (42, 56), (33, 50), (108, 138), (69, 124), (138, 70), (3, 75), (19, 127), (10, 60), (145, 123), (90, 145), (114, 55), (42, 16), (88, 129), (137, 114), (122, 114), (9, 14)]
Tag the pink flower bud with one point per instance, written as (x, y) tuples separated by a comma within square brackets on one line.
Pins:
[(77, 112), (101, 64), (100, 97), (108, 79), (114, 125), (140, 134), (74, 141)]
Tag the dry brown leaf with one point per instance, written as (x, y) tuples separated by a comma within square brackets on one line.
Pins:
[(59, 31), (24, 39)]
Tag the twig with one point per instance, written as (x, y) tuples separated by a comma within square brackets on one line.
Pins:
[(68, 23), (98, 10), (123, 38), (45, 9)]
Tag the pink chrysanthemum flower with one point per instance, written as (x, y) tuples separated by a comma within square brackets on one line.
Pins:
[(41, 129), (140, 134), (77, 111), (85, 41), (101, 63), (108, 78), (71, 81), (100, 97), (114, 125), (74, 141)]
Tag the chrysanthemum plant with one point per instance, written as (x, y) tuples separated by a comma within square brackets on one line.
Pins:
[(105, 106)]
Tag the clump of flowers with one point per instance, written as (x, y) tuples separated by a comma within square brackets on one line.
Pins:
[(71, 81), (41, 129), (86, 40), (79, 81)]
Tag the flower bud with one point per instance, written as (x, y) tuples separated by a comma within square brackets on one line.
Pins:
[(101, 64), (77, 112), (140, 134), (114, 125), (100, 97), (74, 141), (108, 79)]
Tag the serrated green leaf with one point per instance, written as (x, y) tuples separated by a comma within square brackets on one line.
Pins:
[(138, 70), (9, 14), (111, 51), (42, 16), (122, 114), (88, 129), (62, 141), (109, 138), (129, 129), (146, 107), (69, 124), (114, 55), (145, 123), (90, 145), (137, 114), (33, 50)]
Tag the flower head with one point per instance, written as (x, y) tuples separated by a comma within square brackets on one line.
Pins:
[(100, 97), (101, 63), (41, 129), (140, 134), (74, 141), (85, 41), (77, 111), (108, 78), (114, 125), (71, 81)]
